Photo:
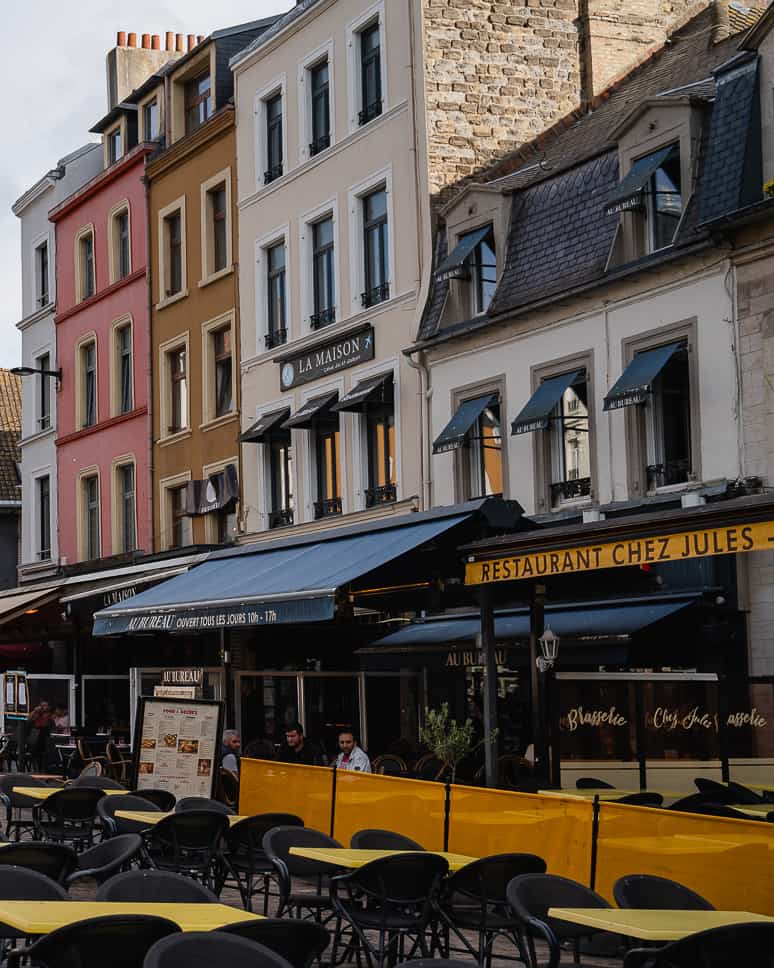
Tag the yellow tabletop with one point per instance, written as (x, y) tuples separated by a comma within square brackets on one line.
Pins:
[(153, 816), (651, 925), (348, 857), (40, 917), (43, 793)]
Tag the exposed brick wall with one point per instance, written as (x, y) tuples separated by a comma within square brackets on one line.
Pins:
[(623, 31), (498, 72)]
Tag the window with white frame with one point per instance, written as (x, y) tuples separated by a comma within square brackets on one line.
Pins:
[(323, 273), (123, 367), (84, 274), (115, 145), (150, 120), (126, 499), (198, 101), (320, 107), (276, 295), (177, 371), (216, 224), (41, 275), (569, 444), (173, 240), (90, 516), (326, 439), (280, 470), (43, 418), (87, 352), (666, 419), (380, 443), (482, 455), (181, 531), (274, 137), (370, 64), (481, 271), (43, 505), (376, 268), (120, 243)]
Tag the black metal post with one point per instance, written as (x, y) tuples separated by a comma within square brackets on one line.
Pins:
[(639, 730), (333, 800), (722, 707), (594, 839), (225, 659), (552, 725), (536, 629), (446, 816), (490, 687)]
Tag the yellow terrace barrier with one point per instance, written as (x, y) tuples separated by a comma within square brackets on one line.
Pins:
[(727, 861), (558, 829)]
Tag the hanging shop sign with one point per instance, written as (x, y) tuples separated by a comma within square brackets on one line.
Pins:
[(15, 694), (178, 745), (180, 684), (474, 657), (338, 354), (733, 539)]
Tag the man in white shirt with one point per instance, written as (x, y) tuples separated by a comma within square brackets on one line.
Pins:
[(351, 756)]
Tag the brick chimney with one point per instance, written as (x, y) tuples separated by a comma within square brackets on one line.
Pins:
[(129, 64)]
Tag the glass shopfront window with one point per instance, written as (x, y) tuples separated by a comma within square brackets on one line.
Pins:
[(597, 720)]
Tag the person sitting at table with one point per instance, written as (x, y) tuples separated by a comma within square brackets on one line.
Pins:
[(351, 757), (60, 720), (39, 720), (229, 750), (298, 749)]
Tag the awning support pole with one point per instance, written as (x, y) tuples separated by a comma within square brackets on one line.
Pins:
[(490, 688), (225, 659), (536, 629)]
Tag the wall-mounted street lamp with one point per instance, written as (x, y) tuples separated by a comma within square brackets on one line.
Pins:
[(32, 371), (549, 647)]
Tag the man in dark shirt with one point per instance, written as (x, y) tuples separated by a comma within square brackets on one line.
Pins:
[(298, 749)]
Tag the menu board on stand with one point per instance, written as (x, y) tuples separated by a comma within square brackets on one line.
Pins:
[(177, 745)]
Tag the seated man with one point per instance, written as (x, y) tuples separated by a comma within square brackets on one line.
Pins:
[(351, 757), (230, 750), (298, 749)]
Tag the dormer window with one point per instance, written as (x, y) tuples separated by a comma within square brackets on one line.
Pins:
[(115, 145), (474, 263), (198, 101), (652, 192)]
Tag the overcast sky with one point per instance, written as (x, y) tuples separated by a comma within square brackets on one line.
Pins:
[(53, 72)]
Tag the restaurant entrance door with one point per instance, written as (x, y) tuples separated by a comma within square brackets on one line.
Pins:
[(142, 681)]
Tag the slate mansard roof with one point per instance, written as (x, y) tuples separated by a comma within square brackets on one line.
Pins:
[(560, 238), (10, 433)]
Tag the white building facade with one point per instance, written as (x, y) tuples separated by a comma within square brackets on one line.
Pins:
[(39, 547)]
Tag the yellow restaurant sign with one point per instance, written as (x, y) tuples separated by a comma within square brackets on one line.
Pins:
[(620, 554)]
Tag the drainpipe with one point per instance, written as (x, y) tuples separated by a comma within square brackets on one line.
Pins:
[(424, 393), (149, 364)]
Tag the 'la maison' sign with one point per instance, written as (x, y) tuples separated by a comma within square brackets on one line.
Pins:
[(329, 358)]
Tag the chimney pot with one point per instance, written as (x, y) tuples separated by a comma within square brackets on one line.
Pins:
[(199, 38), (191, 41), (170, 40), (131, 40), (178, 41), (121, 38), (155, 42), (146, 41)]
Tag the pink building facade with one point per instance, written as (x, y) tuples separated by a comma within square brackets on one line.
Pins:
[(102, 334)]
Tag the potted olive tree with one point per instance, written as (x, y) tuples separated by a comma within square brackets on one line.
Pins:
[(449, 741)]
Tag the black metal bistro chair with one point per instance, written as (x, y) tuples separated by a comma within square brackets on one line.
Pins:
[(56, 861), (245, 862), (206, 949), (531, 895), (473, 903), (298, 942), (289, 869), (163, 799), (113, 825), (155, 887), (687, 804), (393, 898), (592, 783), (98, 783), (68, 816), (720, 810), (648, 892), (202, 803), (118, 940), (745, 945), (373, 839), (643, 799), (188, 843), (106, 859), (18, 819)]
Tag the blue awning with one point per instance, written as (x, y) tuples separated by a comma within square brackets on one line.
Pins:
[(297, 583), (628, 194), (636, 381), (589, 622), (452, 265), (537, 410), (457, 429)]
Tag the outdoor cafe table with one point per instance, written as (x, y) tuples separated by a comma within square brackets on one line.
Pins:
[(41, 917), (43, 793), (351, 858), (154, 816), (649, 925)]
